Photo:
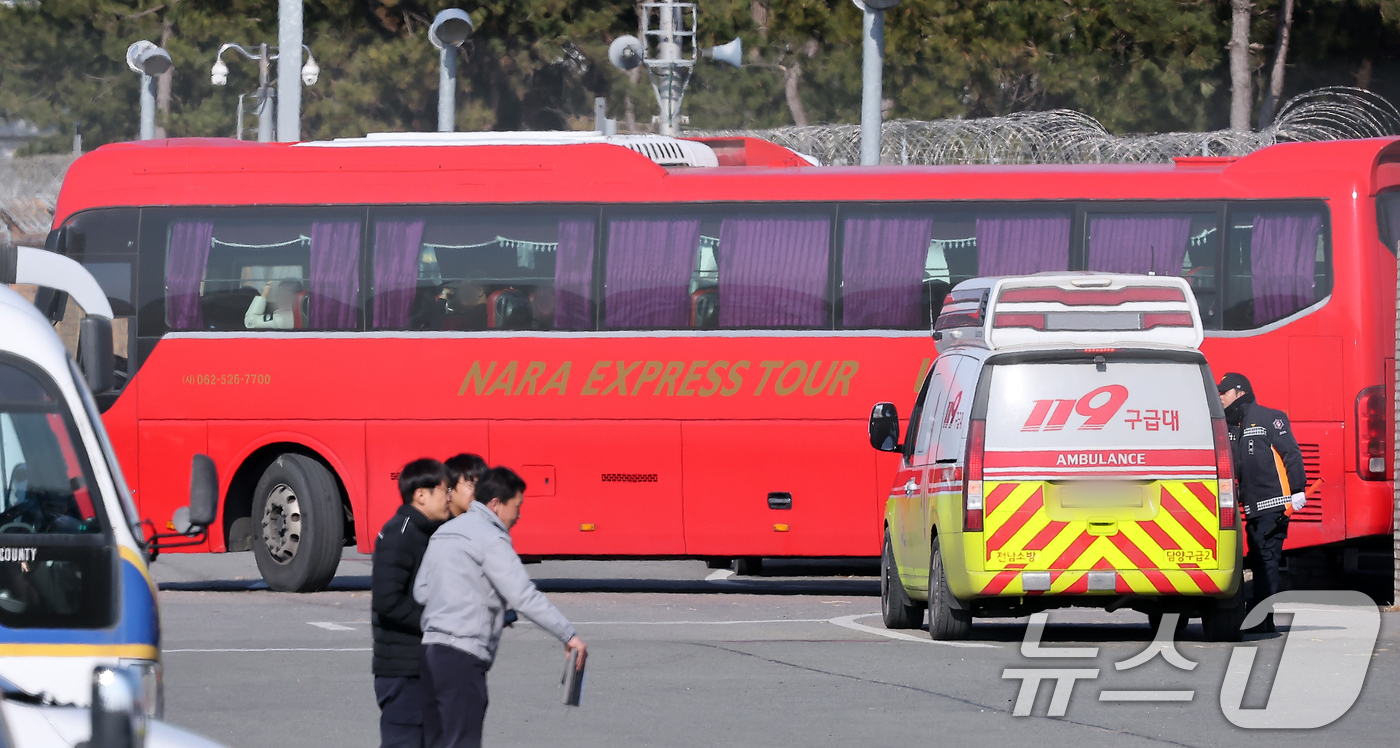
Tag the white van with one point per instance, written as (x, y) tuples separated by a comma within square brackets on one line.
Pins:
[(75, 590), (1068, 447)]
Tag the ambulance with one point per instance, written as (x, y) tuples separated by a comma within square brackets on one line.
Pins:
[(1067, 448)]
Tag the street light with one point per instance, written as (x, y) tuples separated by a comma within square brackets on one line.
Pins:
[(150, 61), (450, 29), (218, 75), (872, 69)]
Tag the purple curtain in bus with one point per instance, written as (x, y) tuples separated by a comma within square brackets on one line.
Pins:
[(773, 271), (1282, 253), (335, 274), (573, 275), (883, 270), (189, 253), (1138, 243), (650, 262), (396, 248), (1022, 244)]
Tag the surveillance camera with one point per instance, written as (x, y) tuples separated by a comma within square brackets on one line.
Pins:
[(310, 72), (218, 75)]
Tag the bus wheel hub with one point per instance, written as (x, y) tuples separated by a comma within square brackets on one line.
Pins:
[(281, 523)]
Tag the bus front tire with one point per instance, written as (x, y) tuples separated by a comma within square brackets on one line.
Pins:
[(944, 621), (897, 610), (298, 525)]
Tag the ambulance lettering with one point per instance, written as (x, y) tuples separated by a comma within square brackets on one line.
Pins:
[(1097, 407), (1100, 459)]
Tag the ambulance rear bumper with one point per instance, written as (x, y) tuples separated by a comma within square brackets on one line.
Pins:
[(967, 584)]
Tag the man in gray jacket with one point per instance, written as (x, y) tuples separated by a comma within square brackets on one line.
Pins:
[(469, 577)]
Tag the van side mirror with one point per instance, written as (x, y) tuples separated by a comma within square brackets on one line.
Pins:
[(204, 498), (95, 354), (118, 708), (884, 427)]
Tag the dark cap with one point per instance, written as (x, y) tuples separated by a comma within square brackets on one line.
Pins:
[(1233, 381)]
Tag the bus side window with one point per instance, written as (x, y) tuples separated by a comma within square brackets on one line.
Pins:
[(470, 269), (104, 241), (1177, 244), (1278, 262), (898, 264), (732, 268), (265, 269)]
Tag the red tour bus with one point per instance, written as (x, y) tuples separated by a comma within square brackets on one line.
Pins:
[(676, 343)]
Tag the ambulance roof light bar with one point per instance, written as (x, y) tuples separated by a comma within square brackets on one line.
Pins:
[(1073, 310)]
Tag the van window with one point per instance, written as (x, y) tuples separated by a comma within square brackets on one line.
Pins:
[(898, 264), (1278, 262), (962, 388), (1135, 418), (718, 268), (55, 558), (261, 268), (502, 269), (930, 416)]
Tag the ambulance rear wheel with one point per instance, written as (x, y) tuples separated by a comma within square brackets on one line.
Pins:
[(944, 620), (298, 525), (1223, 624), (896, 608)]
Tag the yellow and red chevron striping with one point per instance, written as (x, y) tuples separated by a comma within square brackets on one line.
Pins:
[(1177, 531)]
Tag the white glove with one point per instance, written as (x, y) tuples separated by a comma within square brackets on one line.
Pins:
[(1299, 501)]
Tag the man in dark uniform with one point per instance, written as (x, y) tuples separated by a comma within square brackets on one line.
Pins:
[(1269, 468), (396, 616)]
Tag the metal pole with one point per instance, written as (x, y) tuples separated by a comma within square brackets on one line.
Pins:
[(148, 107), (872, 63), (289, 70), (447, 89), (265, 96), (669, 92), (238, 128)]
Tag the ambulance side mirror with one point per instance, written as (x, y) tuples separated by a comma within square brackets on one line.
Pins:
[(884, 427)]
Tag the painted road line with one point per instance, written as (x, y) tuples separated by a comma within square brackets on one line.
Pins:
[(698, 623), (330, 626), (849, 622), (271, 649), (719, 575)]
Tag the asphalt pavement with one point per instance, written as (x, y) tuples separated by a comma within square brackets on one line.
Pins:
[(682, 655)]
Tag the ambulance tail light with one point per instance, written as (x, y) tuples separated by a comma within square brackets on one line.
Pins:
[(972, 477), (1371, 434), (1224, 474)]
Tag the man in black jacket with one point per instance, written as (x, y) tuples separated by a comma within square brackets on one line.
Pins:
[(396, 616), (1269, 469)]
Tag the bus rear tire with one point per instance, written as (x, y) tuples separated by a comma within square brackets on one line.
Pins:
[(897, 610), (944, 621), (298, 525)]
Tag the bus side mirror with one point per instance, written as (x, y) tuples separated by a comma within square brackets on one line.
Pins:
[(95, 354), (204, 498), (884, 427), (118, 708)]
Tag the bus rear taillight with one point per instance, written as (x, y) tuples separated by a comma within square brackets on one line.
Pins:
[(1371, 434), (972, 477), (1224, 473)]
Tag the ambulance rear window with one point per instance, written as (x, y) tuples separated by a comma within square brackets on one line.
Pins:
[(1137, 418)]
